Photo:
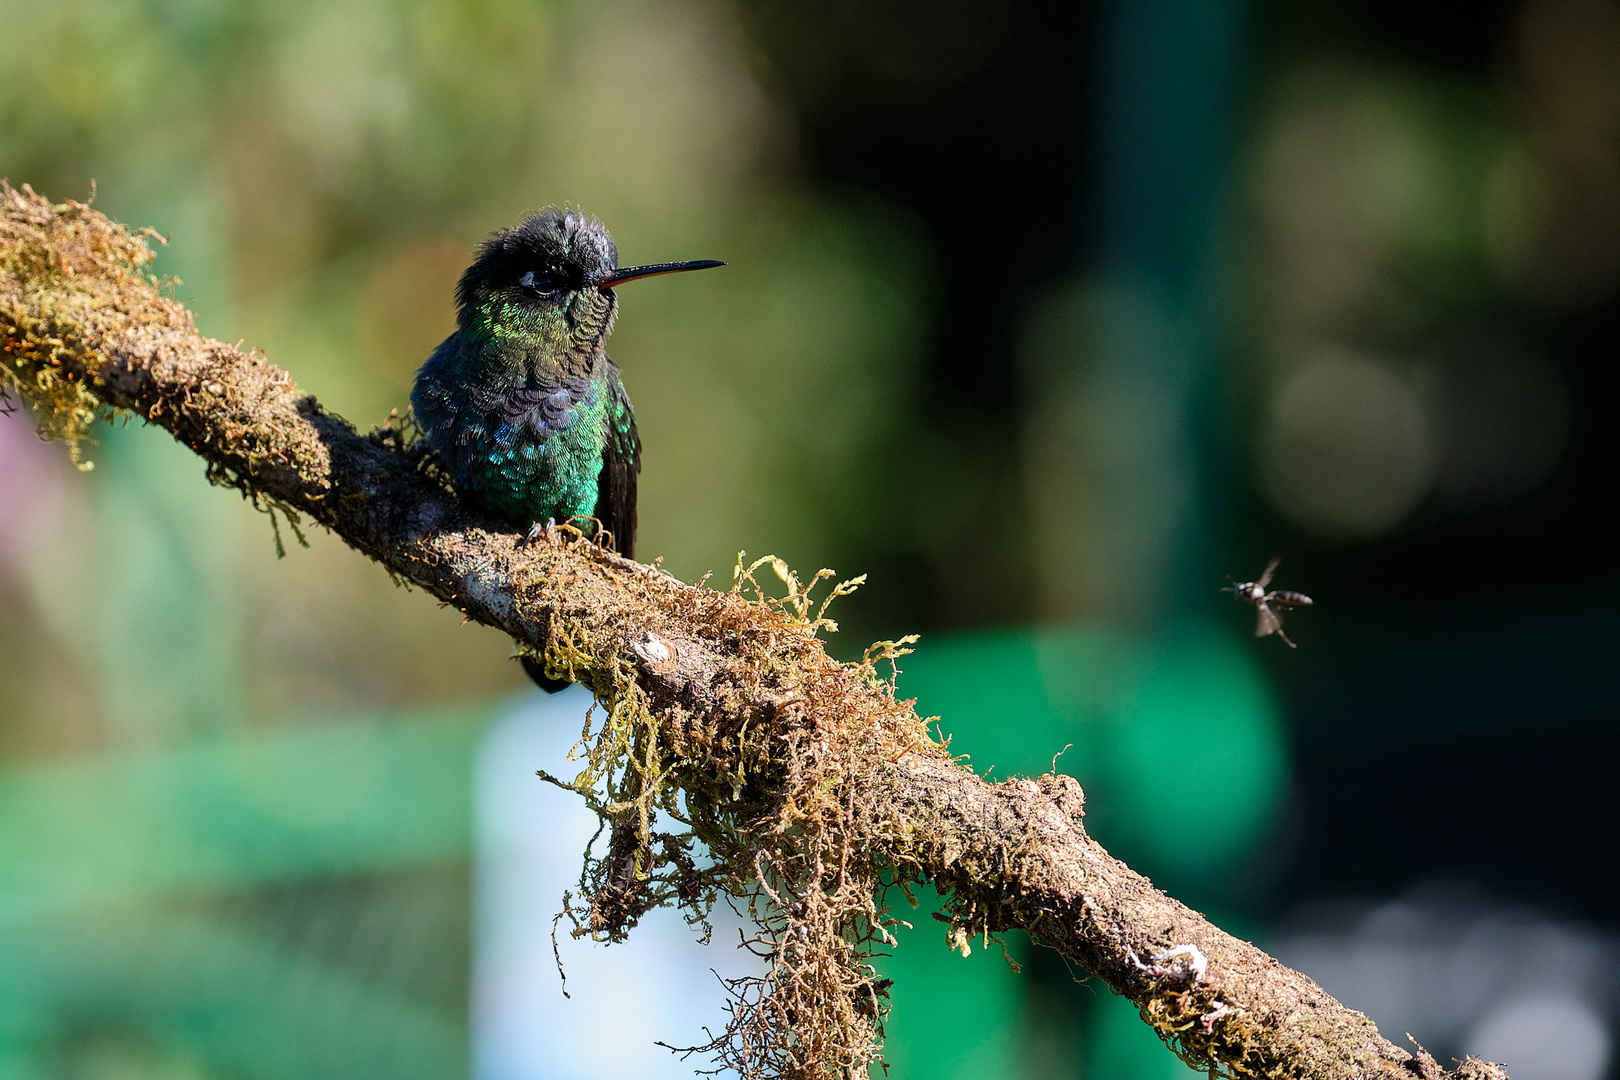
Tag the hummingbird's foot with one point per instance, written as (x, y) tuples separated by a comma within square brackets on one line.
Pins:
[(537, 532)]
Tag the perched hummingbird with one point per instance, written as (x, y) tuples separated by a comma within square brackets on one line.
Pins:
[(522, 403)]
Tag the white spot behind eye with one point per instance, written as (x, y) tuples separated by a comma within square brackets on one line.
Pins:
[(527, 280)]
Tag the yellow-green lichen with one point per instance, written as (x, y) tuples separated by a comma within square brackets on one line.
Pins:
[(75, 286), (43, 360)]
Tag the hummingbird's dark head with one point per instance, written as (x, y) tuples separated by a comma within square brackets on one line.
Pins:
[(551, 278), (539, 265)]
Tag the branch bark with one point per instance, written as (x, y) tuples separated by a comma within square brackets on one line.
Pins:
[(83, 329)]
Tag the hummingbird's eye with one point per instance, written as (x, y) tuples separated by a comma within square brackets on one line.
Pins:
[(540, 283)]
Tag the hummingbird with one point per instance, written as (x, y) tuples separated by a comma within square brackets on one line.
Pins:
[(522, 403)]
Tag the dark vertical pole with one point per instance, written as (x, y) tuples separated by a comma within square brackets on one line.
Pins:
[(1168, 70), (1153, 266)]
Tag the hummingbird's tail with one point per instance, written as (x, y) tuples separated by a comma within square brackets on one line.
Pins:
[(533, 670)]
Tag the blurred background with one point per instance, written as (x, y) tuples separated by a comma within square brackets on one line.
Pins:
[(1048, 316)]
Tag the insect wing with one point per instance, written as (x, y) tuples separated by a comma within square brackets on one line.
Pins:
[(1271, 568), (1267, 623)]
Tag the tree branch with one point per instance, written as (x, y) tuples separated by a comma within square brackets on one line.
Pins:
[(694, 673)]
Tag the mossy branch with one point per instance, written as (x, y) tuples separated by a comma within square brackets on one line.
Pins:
[(805, 781)]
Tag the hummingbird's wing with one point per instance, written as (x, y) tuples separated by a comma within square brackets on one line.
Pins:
[(621, 462), (436, 396)]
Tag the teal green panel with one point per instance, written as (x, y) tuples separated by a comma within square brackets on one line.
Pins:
[(1176, 736), (1119, 1046), (991, 698), (956, 1016), (232, 812), (233, 1000), (1178, 741), (953, 1016), (1191, 757), (16, 1064)]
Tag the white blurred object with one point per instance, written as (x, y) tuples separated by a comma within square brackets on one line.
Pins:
[(659, 985), (1544, 1037), (1465, 976)]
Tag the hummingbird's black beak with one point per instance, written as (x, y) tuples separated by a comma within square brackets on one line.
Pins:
[(630, 273)]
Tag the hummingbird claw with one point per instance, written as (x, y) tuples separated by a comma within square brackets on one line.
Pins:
[(537, 532)]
